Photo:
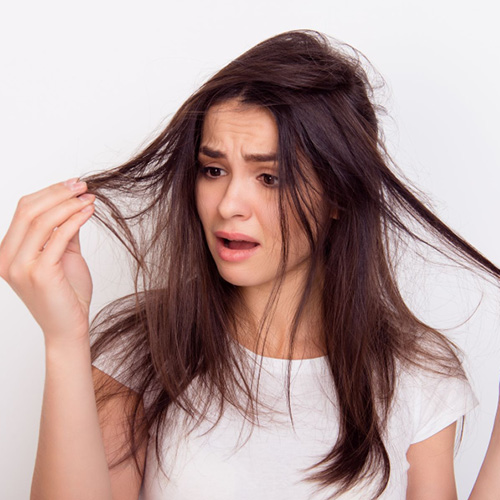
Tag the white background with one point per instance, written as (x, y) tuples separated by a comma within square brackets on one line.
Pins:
[(83, 84)]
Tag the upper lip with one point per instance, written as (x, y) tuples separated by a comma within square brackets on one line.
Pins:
[(235, 236)]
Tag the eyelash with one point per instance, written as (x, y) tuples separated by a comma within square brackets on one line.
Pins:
[(206, 171)]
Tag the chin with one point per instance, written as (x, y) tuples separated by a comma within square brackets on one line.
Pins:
[(240, 281), (241, 278)]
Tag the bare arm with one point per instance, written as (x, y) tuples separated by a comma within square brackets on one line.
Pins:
[(40, 258), (126, 479), (71, 460), (431, 475), (487, 486), (76, 443)]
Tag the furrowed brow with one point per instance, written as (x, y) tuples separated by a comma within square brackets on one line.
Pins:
[(261, 158), (253, 157), (211, 153)]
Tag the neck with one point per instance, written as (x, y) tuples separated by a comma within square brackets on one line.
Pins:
[(268, 331)]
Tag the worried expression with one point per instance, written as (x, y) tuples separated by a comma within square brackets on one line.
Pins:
[(237, 197)]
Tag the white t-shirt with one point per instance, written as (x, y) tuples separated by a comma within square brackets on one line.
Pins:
[(237, 461)]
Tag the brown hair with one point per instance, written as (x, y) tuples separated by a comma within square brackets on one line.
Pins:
[(175, 327)]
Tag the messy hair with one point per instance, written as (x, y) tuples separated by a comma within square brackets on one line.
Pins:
[(180, 324)]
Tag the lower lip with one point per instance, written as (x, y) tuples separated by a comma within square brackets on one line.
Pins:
[(230, 255)]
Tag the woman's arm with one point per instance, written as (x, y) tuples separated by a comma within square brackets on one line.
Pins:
[(125, 478), (431, 467), (71, 460), (487, 486), (40, 259), (77, 443), (431, 475)]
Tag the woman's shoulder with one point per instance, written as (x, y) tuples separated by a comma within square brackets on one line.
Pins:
[(431, 398)]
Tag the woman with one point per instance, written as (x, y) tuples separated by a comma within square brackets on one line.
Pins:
[(267, 351)]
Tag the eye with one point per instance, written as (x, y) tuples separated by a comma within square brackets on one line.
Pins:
[(212, 172), (269, 180)]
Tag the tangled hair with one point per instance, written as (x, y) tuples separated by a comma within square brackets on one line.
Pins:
[(180, 323)]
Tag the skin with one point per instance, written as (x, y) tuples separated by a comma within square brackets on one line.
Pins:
[(487, 486), (46, 269), (237, 192), (431, 475)]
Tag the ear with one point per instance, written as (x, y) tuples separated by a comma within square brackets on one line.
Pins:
[(334, 213)]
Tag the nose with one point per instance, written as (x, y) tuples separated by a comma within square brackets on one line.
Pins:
[(235, 201)]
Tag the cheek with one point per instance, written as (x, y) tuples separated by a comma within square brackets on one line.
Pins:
[(202, 203), (299, 245), (269, 219)]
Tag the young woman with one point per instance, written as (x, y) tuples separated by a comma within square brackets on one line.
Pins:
[(267, 351)]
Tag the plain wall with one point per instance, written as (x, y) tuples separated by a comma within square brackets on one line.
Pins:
[(84, 84)]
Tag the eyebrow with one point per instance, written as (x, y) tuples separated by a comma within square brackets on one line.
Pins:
[(254, 157)]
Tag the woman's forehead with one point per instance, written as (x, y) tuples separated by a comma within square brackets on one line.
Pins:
[(234, 121)]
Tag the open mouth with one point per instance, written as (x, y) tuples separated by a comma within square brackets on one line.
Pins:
[(239, 244)]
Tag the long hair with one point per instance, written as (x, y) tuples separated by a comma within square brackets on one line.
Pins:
[(180, 322)]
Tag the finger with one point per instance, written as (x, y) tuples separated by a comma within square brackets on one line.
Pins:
[(74, 243), (42, 227), (63, 190), (32, 206), (65, 234)]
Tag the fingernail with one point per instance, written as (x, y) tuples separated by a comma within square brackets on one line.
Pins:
[(70, 182), (88, 208), (75, 184), (86, 197)]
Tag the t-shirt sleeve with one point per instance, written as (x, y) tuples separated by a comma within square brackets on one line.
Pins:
[(113, 365), (120, 364), (439, 402)]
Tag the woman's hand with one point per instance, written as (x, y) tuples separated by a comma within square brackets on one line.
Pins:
[(40, 258)]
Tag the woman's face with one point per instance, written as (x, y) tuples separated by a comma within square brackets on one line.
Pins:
[(237, 197)]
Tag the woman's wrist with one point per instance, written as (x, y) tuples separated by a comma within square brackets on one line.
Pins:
[(57, 347)]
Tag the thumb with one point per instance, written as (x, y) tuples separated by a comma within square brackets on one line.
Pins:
[(74, 243)]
